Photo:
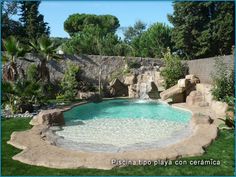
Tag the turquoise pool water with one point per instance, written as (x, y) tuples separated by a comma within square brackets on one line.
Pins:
[(122, 124), (124, 108)]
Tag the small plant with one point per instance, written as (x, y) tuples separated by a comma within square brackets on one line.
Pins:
[(174, 69), (126, 71), (8, 97), (32, 73), (223, 82), (69, 82), (60, 97)]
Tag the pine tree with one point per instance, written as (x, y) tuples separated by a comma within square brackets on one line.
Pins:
[(32, 20)]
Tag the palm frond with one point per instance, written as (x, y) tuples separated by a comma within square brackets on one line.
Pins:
[(13, 49), (10, 45)]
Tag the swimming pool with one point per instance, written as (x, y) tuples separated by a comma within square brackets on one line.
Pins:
[(122, 124)]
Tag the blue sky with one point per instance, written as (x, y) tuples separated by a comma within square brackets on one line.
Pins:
[(56, 12)]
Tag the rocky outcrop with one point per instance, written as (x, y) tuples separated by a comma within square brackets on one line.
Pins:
[(49, 117), (118, 88), (205, 89), (194, 98), (219, 107), (202, 96), (181, 90), (130, 79), (144, 82)]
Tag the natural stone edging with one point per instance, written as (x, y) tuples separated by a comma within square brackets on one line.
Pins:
[(53, 116), (37, 151)]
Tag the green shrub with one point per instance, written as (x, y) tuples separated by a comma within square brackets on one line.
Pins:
[(21, 93), (174, 69), (223, 82), (8, 95), (32, 73), (69, 82)]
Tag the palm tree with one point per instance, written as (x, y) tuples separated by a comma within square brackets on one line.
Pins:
[(46, 51), (13, 50)]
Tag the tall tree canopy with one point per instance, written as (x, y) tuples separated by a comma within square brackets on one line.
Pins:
[(155, 40), (150, 43), (92, 40), (32, 21), (134, 31), (203, 29), (9, 26), (77, 22), (91, 34)]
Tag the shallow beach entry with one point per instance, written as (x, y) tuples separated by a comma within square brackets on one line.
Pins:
[(122, 125)]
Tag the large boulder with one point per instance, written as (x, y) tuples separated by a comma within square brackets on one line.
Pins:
[(194, 98), (205, 89), (178, 98), (52, 117), (182, 83), (118, 88), (130, 79), (192, 78), (219, 108), (145, 82), (159, 81), (133, 91)]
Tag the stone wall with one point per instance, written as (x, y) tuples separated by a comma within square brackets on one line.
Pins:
[(113, 66), (203, 68)]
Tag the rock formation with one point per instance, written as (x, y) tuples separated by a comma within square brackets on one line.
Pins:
[(202, 97), (144, 82), (181, 90), (53, 117), (118, 88)]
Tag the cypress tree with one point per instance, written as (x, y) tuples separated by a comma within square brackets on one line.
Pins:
[(32, 20), (203, 29)]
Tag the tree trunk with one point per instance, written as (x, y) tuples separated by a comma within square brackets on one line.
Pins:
[(44, 71), (99, 82), (12, 73)]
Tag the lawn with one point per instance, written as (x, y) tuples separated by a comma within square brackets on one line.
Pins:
[(222, 149)]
